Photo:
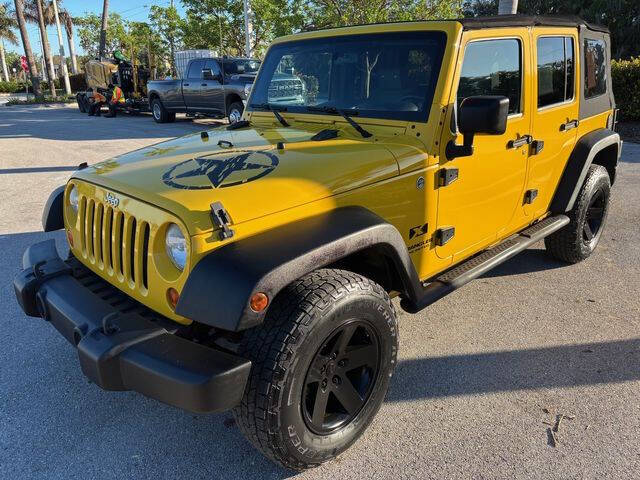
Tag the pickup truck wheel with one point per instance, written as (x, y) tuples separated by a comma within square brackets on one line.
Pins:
[(579, 238), (160, 114), (235, 112), (321, 365)]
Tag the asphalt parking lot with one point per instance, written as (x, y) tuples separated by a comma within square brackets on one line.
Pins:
[(479, 372)]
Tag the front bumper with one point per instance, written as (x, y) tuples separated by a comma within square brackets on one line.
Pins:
[(126, 348)]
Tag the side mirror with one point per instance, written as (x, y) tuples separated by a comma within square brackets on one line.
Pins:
[(479, 115)]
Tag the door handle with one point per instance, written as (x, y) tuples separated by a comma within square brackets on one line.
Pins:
[(185, 84), (203, 84), (569, 125), (519, 142)]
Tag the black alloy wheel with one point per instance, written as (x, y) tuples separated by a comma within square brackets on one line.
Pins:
[(341, 377), (594, 218)]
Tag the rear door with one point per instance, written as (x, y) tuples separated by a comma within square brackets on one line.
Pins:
[(485, 200), (555, 111), (212, 91), (191, 84)]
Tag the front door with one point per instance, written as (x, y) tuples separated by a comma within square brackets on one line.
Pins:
[(191, 85), (555, 112), (212, 93), (486, 199)]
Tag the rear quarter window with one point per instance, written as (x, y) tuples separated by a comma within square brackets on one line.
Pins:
[(595, 70)]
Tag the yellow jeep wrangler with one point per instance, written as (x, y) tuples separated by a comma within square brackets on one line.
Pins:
[(251, 267)]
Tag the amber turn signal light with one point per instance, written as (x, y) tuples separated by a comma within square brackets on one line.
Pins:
[(259, 302), (70, 238), (172, 297)]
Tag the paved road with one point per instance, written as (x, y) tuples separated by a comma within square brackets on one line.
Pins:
[(477, 373)]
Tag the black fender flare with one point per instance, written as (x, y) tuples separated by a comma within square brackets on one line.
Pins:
[(575, 171), (52, 216), (220, 286)]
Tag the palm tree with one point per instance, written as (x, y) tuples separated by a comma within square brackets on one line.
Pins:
[(34, 12), (67, 21), (22, 25), (7, 23)]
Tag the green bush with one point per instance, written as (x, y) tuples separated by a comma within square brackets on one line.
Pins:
[(626, 87), (10, 87)]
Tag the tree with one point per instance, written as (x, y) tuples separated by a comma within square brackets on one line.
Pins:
[(88, 27), (7, 23), (169, 25), (621, 16), (34, 12), (22, 25), (67, 21)]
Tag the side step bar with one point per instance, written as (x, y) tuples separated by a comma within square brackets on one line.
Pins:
[(483, 262)]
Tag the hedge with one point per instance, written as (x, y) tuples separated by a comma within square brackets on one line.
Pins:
[(10, 87), (626, 87)]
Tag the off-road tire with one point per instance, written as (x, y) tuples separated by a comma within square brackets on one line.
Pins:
[(81, 103), (159, 113), (301, 318), (570, 243), (233, 108)]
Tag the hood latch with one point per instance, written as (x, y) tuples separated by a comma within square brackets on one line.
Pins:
[(222, 220)]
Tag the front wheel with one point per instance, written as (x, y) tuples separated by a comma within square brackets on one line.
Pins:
[(579, 238), (321, 365), (235, 112)]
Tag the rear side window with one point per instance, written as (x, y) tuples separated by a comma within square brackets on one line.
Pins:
[(555, 70), (595, 71), (195, 69), (492, 67)]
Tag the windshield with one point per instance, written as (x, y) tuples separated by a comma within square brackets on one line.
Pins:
[(240, 66), (387, 75)]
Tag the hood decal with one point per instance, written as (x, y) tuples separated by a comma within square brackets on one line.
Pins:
[(219, 170)]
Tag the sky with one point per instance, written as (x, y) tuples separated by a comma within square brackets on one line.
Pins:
[(128, 9)]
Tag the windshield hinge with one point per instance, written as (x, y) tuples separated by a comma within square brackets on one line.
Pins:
[(222, 220)]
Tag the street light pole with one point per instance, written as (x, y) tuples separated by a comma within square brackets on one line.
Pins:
[(63, 60), (247, 29), (507, 7), (103, 30)]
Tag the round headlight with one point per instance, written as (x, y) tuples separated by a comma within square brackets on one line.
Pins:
[(176, 246), (73, 198), (247, 90)]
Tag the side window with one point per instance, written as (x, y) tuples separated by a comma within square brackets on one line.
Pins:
[(195, 69), (555, 70), (595, 71), (213, 66), (492, 67)]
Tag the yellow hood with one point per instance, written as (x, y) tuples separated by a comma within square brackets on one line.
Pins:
[(249, 175)]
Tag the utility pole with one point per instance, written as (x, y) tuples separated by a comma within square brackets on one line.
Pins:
[(63, 60), (507, 7), (103, 30), (247, 29)]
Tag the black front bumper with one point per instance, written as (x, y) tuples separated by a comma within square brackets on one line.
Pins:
[(127, 350)]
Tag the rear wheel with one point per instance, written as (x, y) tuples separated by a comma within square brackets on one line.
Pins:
[(160, 114), (235, 112), (579, 238), (321, 365), (82, 106)]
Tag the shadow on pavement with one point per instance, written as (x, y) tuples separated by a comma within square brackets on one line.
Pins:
[(528, 261), (126, 432), (69, 124)]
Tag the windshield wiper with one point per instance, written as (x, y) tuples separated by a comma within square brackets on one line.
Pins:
[(272, 108), (345, 115)]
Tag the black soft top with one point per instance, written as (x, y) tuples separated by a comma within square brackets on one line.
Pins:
[(476, 23)]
